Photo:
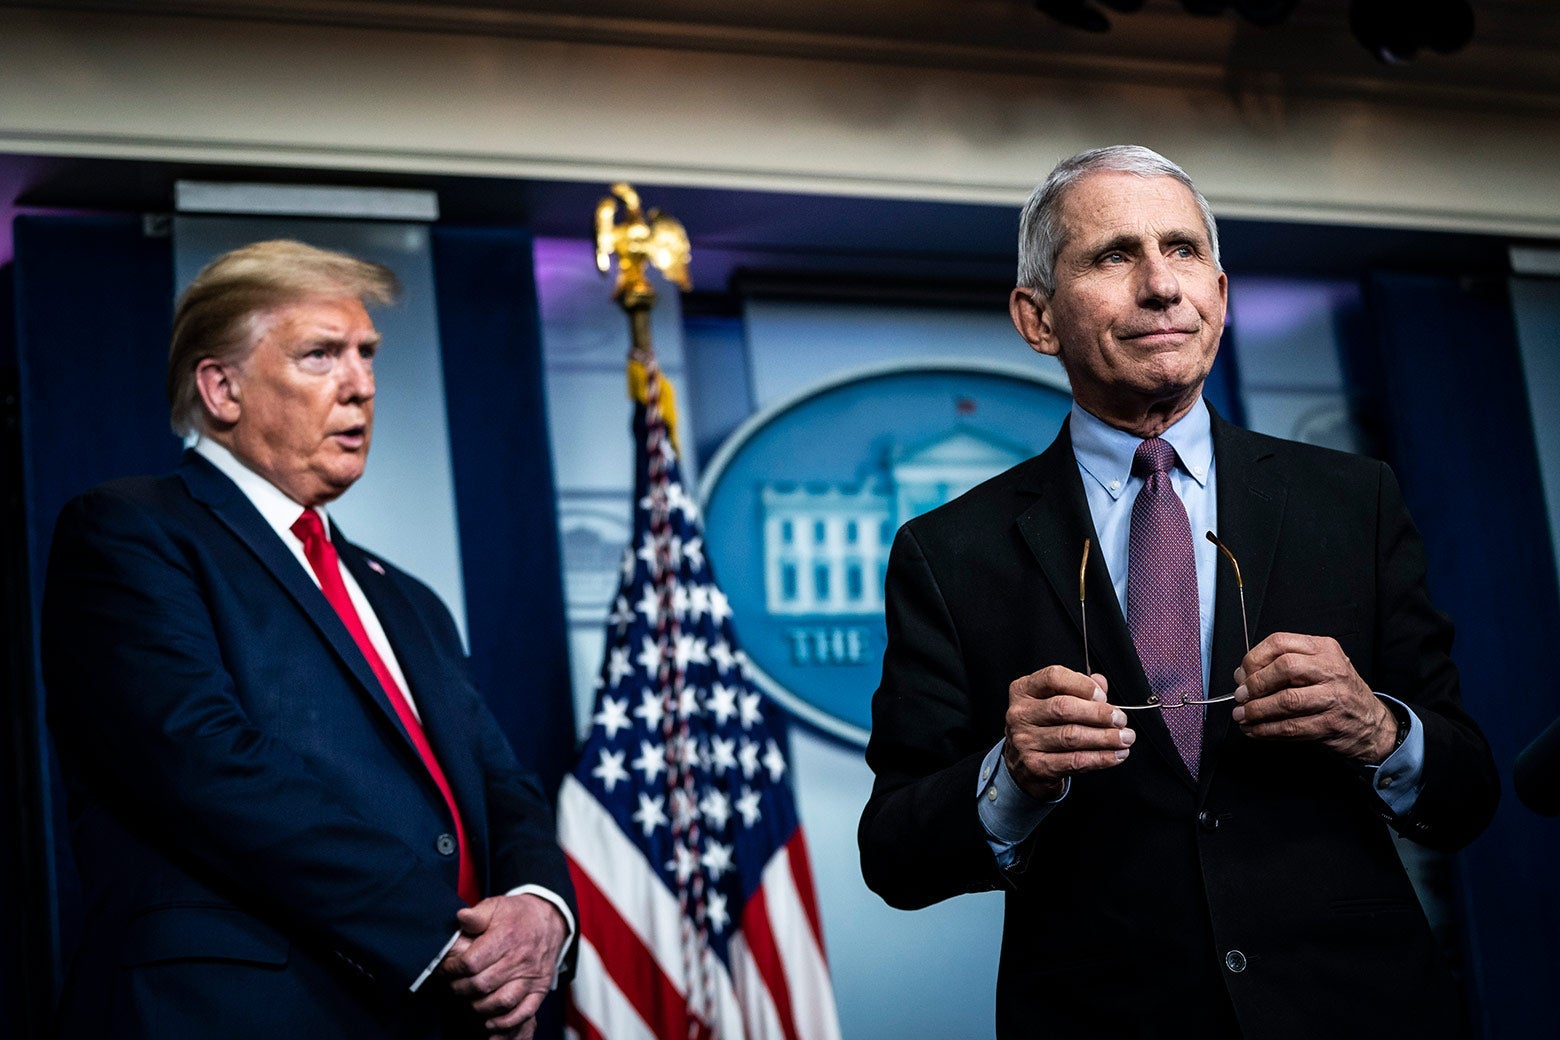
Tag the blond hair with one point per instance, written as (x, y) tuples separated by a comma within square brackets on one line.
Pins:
[(219, 315)]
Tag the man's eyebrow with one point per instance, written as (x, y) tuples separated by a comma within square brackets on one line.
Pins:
[(1122, 242)]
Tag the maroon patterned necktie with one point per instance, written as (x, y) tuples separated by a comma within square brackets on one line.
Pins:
[(1162, 598)]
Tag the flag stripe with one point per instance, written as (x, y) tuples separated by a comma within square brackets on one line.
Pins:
[(597, 846), (628, 962), (617, 875), (766, 958), (762, 1020), (801, 959), (801, 870), (597, 999)]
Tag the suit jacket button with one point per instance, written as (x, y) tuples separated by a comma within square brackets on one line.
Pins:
[(1235, 961), (1208, 821), (446, 845)]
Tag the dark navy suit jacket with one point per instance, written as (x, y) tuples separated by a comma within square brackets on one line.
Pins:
[(1266, 896), (262, 851)]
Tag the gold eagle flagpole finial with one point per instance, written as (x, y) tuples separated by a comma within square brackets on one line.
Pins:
[(642, 238)]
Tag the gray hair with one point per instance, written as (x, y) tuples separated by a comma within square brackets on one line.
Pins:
[(1040, 230), (218, 316)]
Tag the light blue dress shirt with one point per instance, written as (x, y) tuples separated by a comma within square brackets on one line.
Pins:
[(1104, 456)]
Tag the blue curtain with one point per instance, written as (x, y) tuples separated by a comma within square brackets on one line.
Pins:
[(1459, 434), (492, 346), (93, 306)]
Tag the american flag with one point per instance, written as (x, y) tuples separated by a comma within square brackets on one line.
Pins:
[(698, 917)]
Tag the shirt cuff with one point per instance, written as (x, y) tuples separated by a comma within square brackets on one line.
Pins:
[(1398, 780), (1007, 813), (524, 890)]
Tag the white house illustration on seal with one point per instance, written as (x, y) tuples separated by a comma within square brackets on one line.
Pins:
[(826, 545)]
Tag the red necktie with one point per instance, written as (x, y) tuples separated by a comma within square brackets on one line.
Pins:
[(1162, 609), (322, 557)]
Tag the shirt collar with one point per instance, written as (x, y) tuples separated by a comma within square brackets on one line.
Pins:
[(278, 510), (1105, 453)]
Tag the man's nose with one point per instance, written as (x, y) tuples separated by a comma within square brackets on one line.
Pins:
[(1159, 285), (357, 376)]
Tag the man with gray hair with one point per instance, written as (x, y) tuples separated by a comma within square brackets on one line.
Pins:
[(293, 814), (1182, 770)]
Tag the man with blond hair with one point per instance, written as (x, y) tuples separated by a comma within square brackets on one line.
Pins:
[(293, 814)]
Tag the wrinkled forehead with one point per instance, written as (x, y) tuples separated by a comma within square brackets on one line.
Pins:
[(1107, 204), (324, 318)]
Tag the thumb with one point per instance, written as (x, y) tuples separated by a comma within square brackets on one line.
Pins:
[(473, 920)]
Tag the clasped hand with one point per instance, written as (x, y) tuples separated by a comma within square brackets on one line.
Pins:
[(1304, 688), (1059, 723), (505, 960), (1289, 687)]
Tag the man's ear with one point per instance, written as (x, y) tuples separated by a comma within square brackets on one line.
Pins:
[(1032, 318), (219, 390)]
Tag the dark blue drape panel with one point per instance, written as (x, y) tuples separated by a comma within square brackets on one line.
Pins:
[(92, 313), (1460, 437), (491, 335)]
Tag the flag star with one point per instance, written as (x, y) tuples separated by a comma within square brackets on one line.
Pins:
[(677, 498), (611, 770), (674, 553), (749, 758), (698, 601), (651, 814), (649, 605), (716, 807), (650, 709), (722, 702), (683, 810), (618, 667), (716, 858), (687, 702), (715, 910), (691, 650), (720, 606), (684, 862), (622, 615), (747, 805), (723, 754), (627, 565), (613, 716), (649, 655), (720, 653), (687, 752), (680, 600), (750, 713), (693, 552), (651, 760), (647, 552), (774, 761)]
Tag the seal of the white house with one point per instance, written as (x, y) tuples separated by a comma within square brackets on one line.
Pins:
[(802, 501)]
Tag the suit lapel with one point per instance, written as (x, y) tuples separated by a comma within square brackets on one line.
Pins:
[(420, 661), (1055, 527), (1251, 498), (209, 486)]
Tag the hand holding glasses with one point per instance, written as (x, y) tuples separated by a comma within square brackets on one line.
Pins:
[(1153, 698)]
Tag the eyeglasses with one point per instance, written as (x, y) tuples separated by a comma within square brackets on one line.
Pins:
[(1153, 698)]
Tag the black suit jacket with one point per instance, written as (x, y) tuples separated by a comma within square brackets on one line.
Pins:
[(258, 839), (1269, 892)]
